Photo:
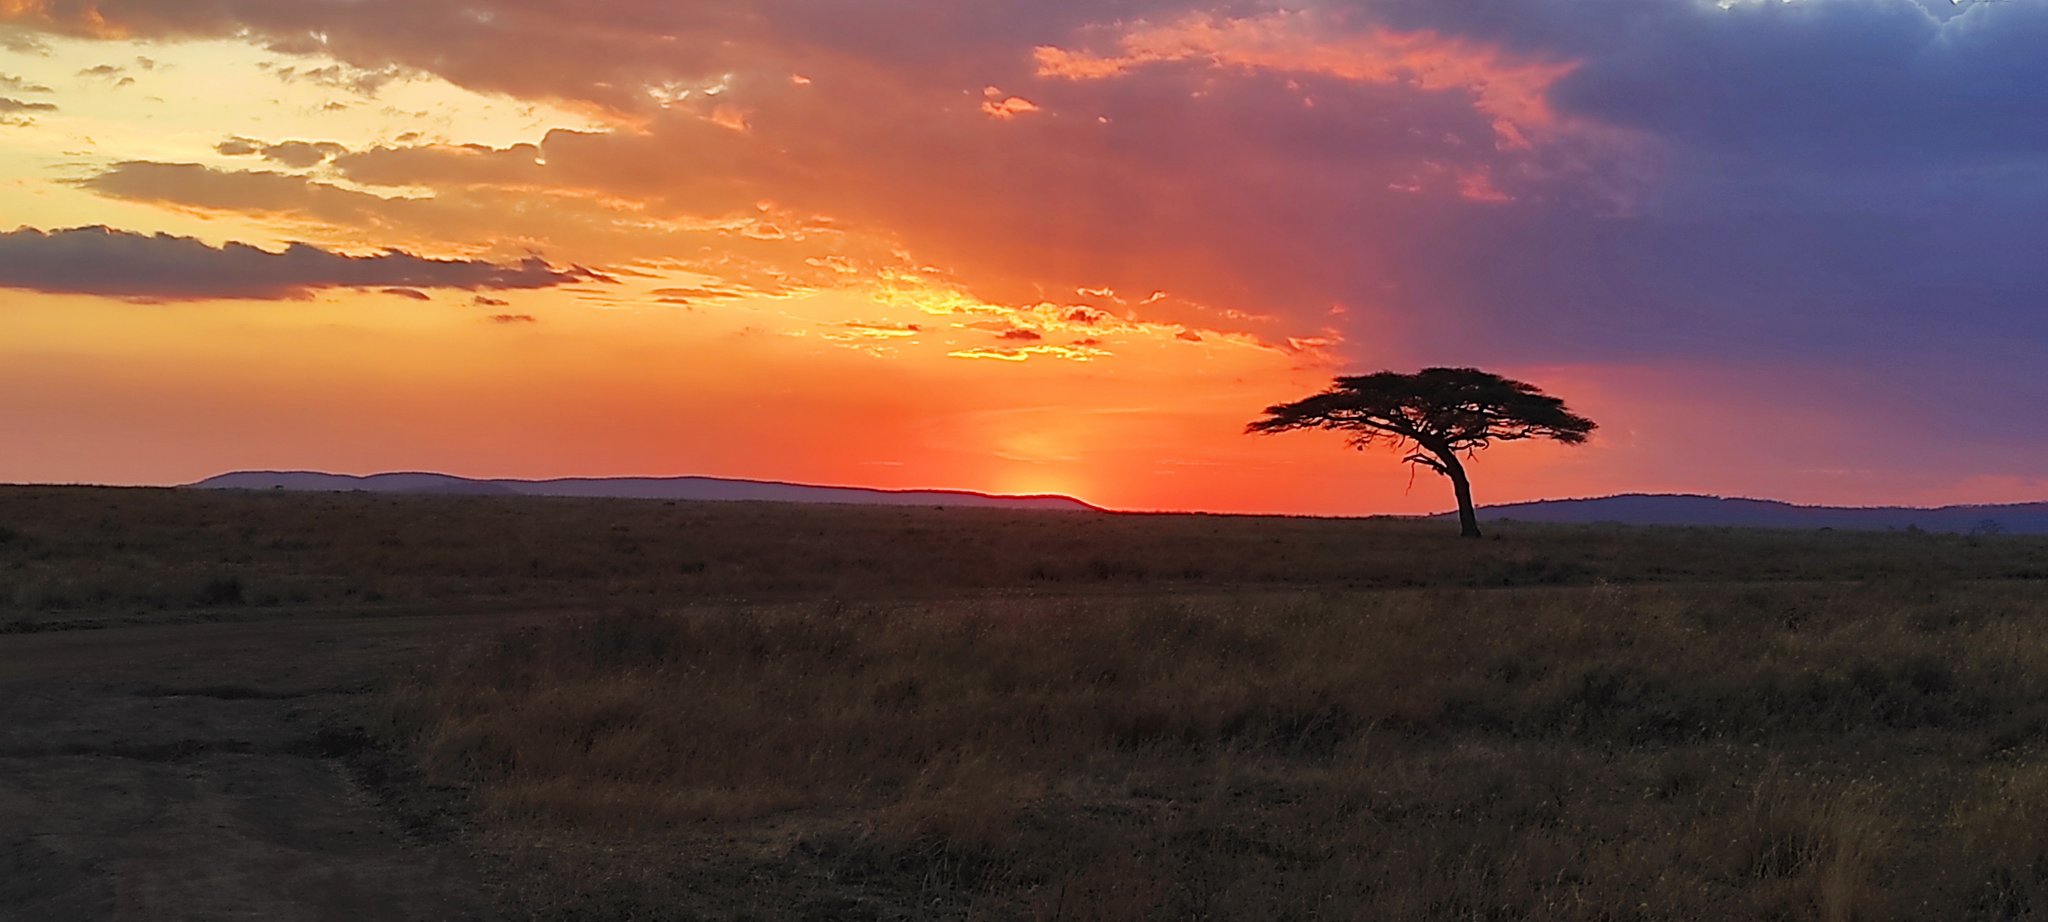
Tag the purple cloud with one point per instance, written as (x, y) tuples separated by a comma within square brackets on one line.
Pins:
[(139, 267)]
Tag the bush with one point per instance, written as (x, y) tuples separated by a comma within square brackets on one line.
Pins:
[(219, 591)]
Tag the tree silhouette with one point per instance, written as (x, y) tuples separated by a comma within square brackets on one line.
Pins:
[(1433, 416)]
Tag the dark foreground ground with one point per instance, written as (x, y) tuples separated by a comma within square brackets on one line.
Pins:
[(218, 706), (220, 771)]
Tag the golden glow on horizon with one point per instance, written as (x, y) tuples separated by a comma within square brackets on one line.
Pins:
[(367, 382)]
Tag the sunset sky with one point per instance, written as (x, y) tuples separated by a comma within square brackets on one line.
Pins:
[(1779, 248)]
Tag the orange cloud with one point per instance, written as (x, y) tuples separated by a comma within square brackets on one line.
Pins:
[(997, 105), (1512, 89), (1478, 186), (85, 20), (1070, 353)]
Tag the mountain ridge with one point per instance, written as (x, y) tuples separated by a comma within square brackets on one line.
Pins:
[(694, 488), (1670, 509), (1744, 512)]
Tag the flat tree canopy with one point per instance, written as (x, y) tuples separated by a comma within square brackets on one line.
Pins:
[(1434, 416)]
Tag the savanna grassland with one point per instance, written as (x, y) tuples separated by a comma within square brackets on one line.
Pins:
[(747, 711)]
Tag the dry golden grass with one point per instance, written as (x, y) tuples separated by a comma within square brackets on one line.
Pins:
[(71, 553), (1863, 751), (822, 713)]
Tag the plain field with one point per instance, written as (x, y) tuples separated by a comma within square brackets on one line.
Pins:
[(613, 709)]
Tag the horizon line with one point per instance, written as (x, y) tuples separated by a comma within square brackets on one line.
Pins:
[(957, 491)]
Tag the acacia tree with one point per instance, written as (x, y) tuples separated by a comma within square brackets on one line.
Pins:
[(1433, 417)]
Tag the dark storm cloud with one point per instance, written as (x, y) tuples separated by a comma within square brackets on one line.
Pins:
[(1849, 180), (1834, 82), (1837, 80), (119, 264)]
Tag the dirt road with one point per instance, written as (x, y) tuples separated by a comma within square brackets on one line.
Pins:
[(215, 771)]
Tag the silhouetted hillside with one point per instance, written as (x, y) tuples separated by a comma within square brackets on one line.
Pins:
[(676, 488), (1680, 509)]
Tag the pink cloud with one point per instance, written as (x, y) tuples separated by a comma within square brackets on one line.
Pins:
[(1513, 89)]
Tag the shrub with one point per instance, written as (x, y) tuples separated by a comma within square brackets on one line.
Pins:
[(219, 591)]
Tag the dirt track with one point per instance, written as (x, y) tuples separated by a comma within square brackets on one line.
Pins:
[(213, 771)]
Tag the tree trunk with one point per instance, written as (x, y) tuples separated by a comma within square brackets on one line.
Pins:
[(1468, 517)]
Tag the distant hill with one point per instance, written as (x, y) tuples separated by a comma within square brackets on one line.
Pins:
[(675, 488), (1625, 509), (1680, 509)]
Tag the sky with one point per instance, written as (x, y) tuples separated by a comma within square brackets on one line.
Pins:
[(1776, 248)]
